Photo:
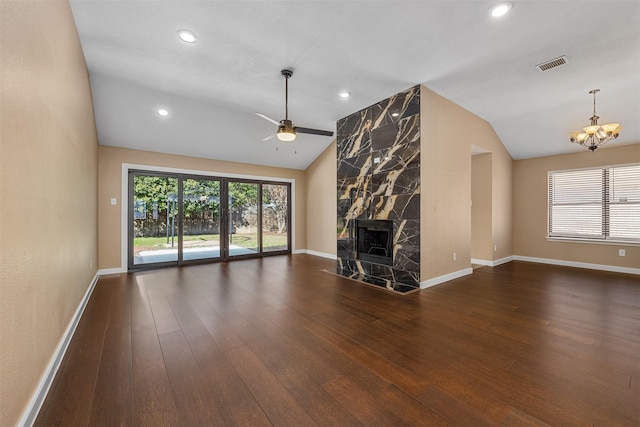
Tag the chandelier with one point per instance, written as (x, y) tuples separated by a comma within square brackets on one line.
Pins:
[(594, 136)]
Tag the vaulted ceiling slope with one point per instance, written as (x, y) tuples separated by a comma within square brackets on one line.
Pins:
[(373, 49)]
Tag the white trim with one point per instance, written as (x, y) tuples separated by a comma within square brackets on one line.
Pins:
[(501, 261), (445, 278), (602, 267), (107, 271), (124, 218), (316, 253), (37, 399), (493, 263), (594, 241), (124, 247)]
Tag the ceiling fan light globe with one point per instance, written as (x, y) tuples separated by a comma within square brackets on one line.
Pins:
[(286, 135)]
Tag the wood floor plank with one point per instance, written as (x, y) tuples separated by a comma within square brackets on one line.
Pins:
[(282, 341), (194, 398), (113, 398), (279, 405), (361, 404), (163, 317), (152, 398), (120, 305), (71, 395), (141, 315), (297, 366), (235, 402)]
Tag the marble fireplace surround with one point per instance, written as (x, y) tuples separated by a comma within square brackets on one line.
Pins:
[(378, 178)]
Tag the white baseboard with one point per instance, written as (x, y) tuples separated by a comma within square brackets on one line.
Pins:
[(445, 278), (492, 263), (316, 253), (31, 411), (502, 260), (107, 271), (602, 267)]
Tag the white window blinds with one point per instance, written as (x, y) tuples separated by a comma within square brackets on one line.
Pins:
[(602, 203), (624, 202)]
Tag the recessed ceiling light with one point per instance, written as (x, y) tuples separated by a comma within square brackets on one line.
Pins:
[(395, 114), (500, 9), (344, 94), (162, 112), (187, 36)]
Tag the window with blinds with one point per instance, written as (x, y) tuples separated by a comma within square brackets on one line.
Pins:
[(602, 204)]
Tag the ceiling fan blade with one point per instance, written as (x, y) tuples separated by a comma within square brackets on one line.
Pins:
[(266, 138), (314, 131), (267, 118)]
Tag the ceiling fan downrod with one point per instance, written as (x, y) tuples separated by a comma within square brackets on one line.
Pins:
[(287, 74)]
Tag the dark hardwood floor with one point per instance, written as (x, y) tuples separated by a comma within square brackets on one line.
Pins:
[(278, 341)]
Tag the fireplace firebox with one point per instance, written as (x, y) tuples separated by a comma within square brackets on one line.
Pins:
[(374, 241)]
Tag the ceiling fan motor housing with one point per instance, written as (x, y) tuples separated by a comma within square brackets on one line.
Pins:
[(286, 124)]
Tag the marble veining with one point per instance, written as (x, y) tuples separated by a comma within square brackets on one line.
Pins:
[(404, 156), (356, 145), (353, 124), (407, 233), (404, 181), (355, 166), (378, 177), (397, 206), (352, 187)]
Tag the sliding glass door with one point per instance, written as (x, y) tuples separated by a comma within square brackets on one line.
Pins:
[(200, 219), (275, 217), (243, 218), (177, 219), (153, 228)]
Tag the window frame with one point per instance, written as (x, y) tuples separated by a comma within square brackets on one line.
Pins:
[(605, 216)]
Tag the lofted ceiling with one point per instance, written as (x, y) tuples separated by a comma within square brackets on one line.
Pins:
[(373, 49)]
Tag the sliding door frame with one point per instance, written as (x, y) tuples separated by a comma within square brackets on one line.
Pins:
[(224, 178)]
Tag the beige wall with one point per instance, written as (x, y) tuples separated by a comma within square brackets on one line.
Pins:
[(48, 188), (481, 203), (321, 202), (448, 131), (110, 186), (530, 208)]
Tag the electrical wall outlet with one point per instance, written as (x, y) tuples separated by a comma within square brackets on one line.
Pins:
[(621, 252), (454, 256), (495, 248), (114, 201)]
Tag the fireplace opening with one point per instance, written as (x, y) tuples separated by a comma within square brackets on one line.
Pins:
[(374, 241)]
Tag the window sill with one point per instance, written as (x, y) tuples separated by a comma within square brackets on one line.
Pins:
[(594, 241)]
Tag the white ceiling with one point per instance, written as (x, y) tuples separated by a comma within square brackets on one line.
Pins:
[(374, 49)]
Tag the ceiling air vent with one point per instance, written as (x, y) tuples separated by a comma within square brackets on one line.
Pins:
[(552, 64)]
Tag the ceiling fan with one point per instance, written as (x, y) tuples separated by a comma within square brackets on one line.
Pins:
[(286, 130)]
